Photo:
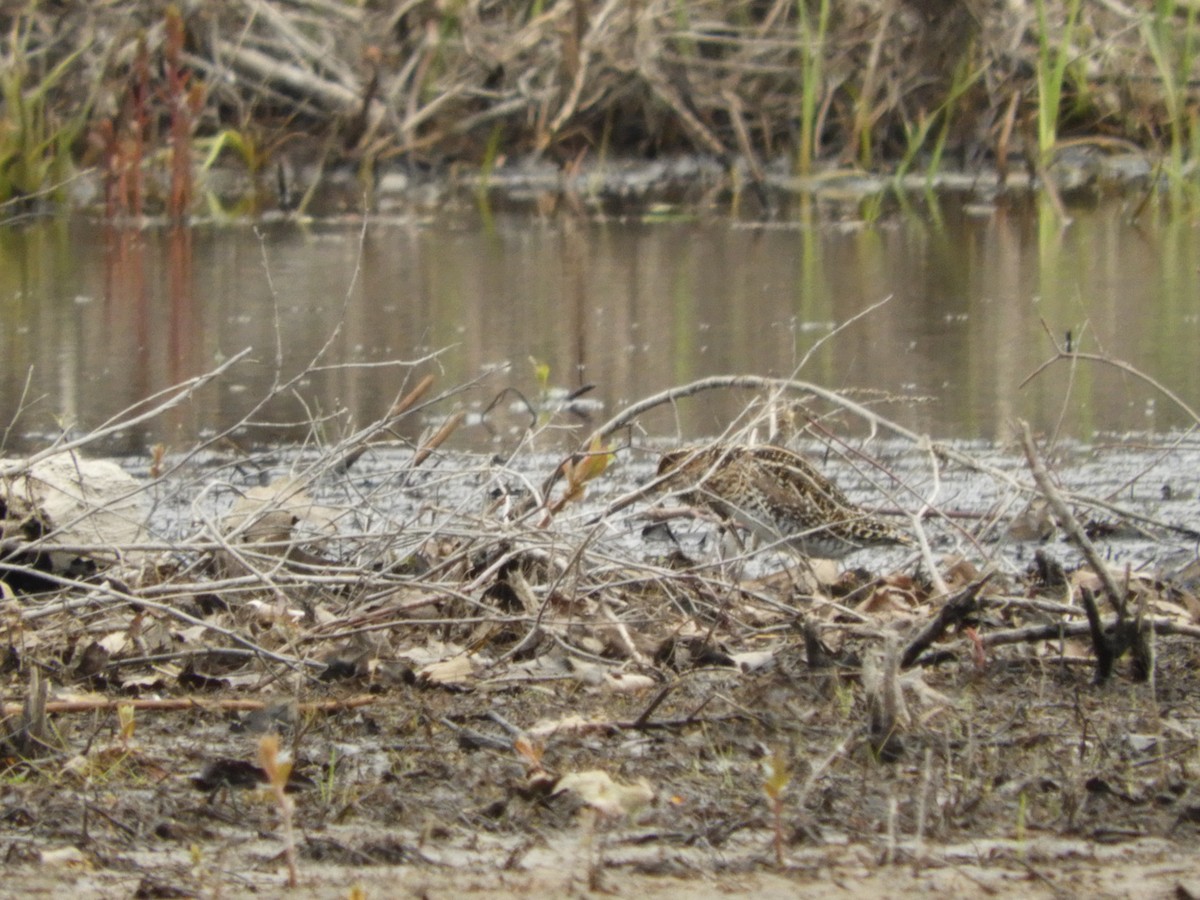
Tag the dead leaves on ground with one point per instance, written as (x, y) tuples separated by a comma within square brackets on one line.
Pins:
[(510, 606)]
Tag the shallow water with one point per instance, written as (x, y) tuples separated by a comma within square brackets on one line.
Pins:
[(968, 302)]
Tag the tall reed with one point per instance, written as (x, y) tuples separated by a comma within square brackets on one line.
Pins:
[(1174, 53), (812, 53), (184, 100), (35, 144), (1052, 62), (961, 81)]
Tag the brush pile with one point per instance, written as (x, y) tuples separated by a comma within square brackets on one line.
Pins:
[(517, 644)]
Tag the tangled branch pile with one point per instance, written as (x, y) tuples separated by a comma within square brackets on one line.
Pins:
[(477, 638), (324, 568)]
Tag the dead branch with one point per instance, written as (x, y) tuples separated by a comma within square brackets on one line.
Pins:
[(176, 704), (1072, 356), (1032, 634), (1070, 524), (176, 394), (259, 66), (108, 592), (952, 613)]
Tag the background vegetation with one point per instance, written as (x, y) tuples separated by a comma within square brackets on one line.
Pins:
[(796, 84)]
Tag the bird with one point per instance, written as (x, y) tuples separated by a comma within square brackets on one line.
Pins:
[(778, 495)]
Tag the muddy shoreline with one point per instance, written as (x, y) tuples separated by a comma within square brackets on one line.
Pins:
[(441, 702)]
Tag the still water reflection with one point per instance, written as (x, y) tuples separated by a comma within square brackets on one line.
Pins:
[(93, 319)]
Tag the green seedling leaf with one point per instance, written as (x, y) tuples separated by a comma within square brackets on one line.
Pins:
[(779, 775), (541, 371)]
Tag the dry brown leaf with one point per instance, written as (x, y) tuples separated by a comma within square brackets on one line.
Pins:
[(271, 513), (598, 790), (114, 642), (958, 572), (269, 613), (457, 670), (573, 724), (1034, 523), (753, 660), (68, 857), (888, 598), (626, 683)]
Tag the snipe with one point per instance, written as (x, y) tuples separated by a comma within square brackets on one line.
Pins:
[(778, 495)]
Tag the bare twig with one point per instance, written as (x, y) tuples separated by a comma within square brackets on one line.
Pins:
[(1071, 357), (1054, 631), (126, 419), (1070, 524), (175, 704)]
